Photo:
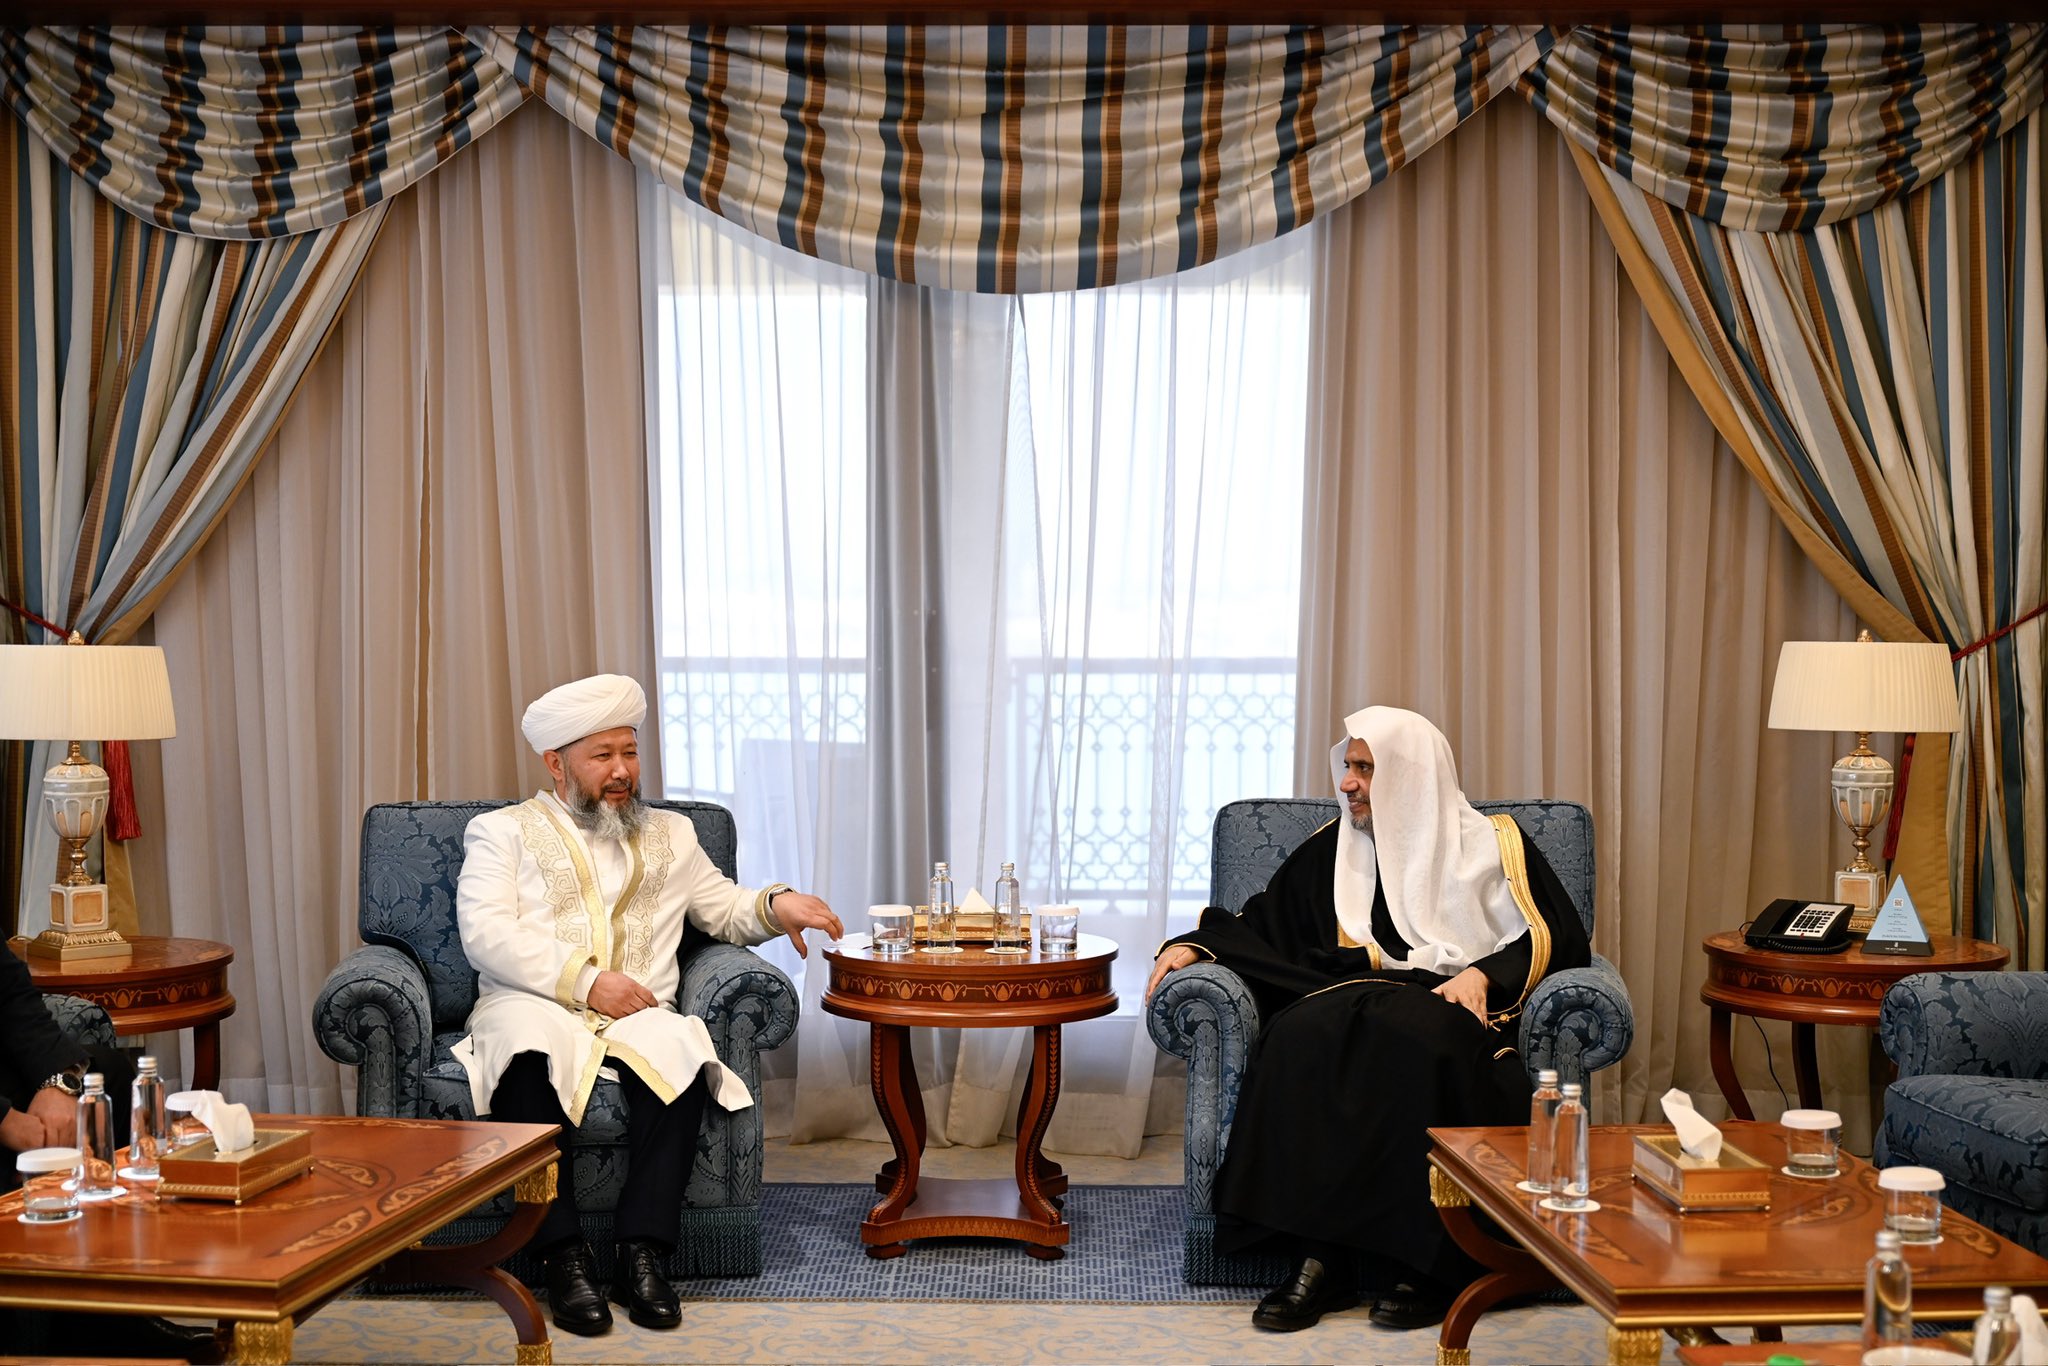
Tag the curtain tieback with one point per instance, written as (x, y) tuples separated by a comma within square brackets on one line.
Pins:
[(1891, 832), (122, 821)]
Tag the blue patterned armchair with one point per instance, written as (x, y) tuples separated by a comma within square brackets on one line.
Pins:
[(1971, 1100), (81, 1019), (1576, 1021), (396, 1007)]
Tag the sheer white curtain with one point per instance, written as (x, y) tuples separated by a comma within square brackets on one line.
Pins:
[(983, 579)]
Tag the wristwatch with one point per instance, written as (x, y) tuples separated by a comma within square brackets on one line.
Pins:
[(71, 1081)]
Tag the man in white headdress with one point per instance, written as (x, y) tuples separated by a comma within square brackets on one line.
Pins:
[(572, 907), (1390, 957)]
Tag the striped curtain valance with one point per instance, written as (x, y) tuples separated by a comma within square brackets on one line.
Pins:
[(251, 132), (1017, 159), (1775, 129)]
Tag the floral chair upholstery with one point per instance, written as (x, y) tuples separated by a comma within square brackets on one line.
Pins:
[(1576, 1021), (395, 1009), (1971, 1100), (81, 1019)]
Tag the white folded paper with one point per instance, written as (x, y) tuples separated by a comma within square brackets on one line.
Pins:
[(2033, 1333), (975, 904), (1695, 1135), (229, 1123)]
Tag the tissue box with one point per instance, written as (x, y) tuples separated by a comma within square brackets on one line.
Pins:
[(1734, 1180), (968, 927), (201, 1173)]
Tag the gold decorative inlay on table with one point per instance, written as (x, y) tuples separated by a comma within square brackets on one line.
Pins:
[(536, 1188), (262, 1344), (1445, 1193)]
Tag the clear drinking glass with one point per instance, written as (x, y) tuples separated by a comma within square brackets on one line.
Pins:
[(49, 1194), (1813, 1143), (1912, 1204), (1059, 930), (889, 929)]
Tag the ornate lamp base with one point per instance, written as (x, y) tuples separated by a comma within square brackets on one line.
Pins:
[(79, 926)]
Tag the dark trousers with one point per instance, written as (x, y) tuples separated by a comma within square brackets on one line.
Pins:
[(661, 1145)]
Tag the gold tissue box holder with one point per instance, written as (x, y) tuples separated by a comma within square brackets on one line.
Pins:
[(201, 1172), (1734, 1180), (968, 928)]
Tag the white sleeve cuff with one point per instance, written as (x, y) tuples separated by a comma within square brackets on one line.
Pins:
[(585, 980)]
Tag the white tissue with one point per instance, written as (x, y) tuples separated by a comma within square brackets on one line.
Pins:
[(974, 904), (2033, 1333), (230, 1125), (1697, 1137)]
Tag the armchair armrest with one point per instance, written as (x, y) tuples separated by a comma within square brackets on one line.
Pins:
[(1577, 1021), (749, 1007), (1205, 1014), (1980, 1024), (81, 1019), (372, 1013)]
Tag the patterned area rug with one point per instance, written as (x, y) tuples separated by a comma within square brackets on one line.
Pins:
[(1126, 1249)]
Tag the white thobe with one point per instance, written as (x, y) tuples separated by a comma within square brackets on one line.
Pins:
[(543, 908)]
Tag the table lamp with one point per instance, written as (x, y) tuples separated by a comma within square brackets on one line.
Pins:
[(69, 692), (1862, 686)]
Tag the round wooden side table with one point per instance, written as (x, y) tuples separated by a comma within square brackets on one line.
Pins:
[(972, 989), (163, 984), (1807, 989)]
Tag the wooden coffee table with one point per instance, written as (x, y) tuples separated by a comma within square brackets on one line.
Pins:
[(378, 1186), (972, 989), (1646, 1268)]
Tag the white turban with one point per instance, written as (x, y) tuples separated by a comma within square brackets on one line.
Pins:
[(585, 707)]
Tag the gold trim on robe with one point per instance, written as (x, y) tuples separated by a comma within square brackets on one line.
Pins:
[(1515, 864)]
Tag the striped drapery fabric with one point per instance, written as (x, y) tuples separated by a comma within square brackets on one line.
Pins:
[(1017, 159), (144, 369), (1772, 129), (1889, 378), (251, 132), (141, 374)]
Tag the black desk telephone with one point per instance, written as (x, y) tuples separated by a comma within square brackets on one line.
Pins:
[(1787, 926)]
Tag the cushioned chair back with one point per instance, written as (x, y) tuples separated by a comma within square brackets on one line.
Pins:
[(411, 858), (1253, 838)]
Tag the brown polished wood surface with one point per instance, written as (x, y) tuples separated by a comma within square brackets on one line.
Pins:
[(162, 984), (1645, 1266), (377, 1187), (970, 989), (1809, 989)]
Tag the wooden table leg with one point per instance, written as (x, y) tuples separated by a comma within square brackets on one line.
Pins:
[(1805, 1066), (893, 1074), (206, 1056), (474, 1266), (1052, 1178), (261, 1344), (1041, 1093), (1510, 1269), (1634, 1346), (1720, 1049)]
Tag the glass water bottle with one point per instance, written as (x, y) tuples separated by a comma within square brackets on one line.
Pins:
[(1009, 926), (940, 909), (96, 1141), (1540, 1176), (1573, 1184), (1887, 1295), (149, 1135), (1997, 1339)]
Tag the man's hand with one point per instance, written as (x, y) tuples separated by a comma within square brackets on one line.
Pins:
[(1467, 989), (21, 1131), (617, 995), (800, 911), (58, 1110), (1172, 958)]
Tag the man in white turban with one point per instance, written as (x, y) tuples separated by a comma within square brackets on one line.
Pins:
[(1389, 956), (572, 907)]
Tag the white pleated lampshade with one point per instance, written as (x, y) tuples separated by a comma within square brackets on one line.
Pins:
[(85, 692), (1863, 685)]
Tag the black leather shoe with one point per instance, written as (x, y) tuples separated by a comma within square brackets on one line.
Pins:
[(1407, 1306), (637, 1283), (1304, 1298), (573, 1296)]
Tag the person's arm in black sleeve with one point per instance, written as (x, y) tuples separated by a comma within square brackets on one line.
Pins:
[(34, 1046)]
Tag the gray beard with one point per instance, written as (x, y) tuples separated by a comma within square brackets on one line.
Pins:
[(601, 820), (1362, 824)]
